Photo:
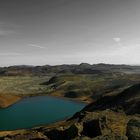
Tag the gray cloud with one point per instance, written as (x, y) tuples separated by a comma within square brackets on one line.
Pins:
[(36, 46), (118, 41)]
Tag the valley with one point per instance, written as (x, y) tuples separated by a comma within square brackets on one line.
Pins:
[(112, 93)]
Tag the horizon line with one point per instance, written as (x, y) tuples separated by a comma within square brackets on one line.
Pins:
[(32, 65)]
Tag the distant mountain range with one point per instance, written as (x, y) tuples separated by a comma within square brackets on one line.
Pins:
[(83, 68)]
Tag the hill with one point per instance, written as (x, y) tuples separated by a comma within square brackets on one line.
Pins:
[(128, 101)]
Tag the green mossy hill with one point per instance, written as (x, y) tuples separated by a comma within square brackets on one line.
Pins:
[(89, 87)]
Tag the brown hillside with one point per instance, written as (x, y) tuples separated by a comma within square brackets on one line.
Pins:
[(7, 100)]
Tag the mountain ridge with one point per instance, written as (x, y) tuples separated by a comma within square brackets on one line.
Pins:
[(83, 68)]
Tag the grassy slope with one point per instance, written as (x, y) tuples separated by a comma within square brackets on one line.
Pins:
[(85, 87), (23, 85), (90, 87)]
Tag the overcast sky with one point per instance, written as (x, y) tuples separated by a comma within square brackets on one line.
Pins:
[(38, 32)]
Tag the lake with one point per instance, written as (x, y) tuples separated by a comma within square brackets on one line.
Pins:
[(36, 111)]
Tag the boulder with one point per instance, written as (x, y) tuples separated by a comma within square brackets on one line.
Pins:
[(133, 129), (65, 134)]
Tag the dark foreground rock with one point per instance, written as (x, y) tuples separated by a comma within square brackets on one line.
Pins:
[(133, 129)]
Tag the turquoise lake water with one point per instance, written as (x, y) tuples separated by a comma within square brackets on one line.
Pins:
[(36, 111)]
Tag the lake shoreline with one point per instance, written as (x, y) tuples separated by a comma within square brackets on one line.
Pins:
[(13, 99), (42, 125)]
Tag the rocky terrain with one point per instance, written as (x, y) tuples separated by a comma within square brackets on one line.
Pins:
[(113, 117)]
